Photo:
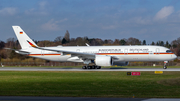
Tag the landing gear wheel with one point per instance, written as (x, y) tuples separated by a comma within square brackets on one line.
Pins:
[(93, 67), (165, 67), (89, 67), (165, 62), (84, 67), (98, 67)]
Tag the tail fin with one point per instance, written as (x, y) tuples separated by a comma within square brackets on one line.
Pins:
[(23, 39)]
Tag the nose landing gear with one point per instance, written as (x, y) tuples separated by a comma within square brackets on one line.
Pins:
[(165, 62)]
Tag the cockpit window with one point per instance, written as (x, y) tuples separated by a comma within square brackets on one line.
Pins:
[(168, 51)]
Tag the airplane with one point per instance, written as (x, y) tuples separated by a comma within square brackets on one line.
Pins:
[(96, 55)]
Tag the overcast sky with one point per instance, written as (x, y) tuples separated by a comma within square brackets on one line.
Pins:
[(150, 20)]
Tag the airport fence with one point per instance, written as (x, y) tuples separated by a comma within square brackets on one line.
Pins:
[(171, 63)]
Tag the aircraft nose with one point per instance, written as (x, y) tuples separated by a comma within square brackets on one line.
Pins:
[(174, 56)]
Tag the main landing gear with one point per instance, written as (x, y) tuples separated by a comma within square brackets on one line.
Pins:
[(165, 62), (91, 67), (87, 62)]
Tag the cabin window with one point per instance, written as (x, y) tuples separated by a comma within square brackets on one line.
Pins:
[(168, 51)]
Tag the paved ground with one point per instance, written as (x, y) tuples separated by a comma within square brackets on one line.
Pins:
[(20, 98), (79, 69)]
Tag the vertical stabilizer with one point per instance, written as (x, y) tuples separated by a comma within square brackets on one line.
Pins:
[(23, 39)]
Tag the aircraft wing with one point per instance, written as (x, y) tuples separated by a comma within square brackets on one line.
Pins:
[(79, 54)]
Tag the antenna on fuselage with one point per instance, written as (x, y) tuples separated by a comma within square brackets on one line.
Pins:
[(87, 45)]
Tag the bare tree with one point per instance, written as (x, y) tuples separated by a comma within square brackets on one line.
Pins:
[(45, 43), (11, 43), (58, 40), (133, 41), (67, 36), (116, 42)]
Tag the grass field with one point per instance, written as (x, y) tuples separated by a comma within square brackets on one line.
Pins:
[(90, 84)]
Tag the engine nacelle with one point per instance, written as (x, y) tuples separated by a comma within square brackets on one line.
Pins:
[(103, 60), (120, 63)]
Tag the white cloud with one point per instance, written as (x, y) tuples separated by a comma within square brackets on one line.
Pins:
[(8, 11), (142, 31), (164, 13), (178, 13), (138, 20), (109, 27), (126, 32), (53, 25), (50, 25), (34, 11), (43, 4), (40, 10), (63, 20), (143, 21)]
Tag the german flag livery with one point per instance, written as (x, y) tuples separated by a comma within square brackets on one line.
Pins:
[(23, 38), (31, 44)]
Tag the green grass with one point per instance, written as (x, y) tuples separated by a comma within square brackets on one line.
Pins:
[(90, 84)]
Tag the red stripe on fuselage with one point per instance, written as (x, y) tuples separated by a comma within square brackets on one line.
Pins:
[(104, 54)]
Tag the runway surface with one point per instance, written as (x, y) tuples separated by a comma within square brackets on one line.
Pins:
[(79, 69), (23, 98)]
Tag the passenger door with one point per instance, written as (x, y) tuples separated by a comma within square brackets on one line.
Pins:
[(157, 51), (126, 51)]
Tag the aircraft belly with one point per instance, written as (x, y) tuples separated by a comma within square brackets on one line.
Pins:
[(160, 58), (135, 58), (145, 57)]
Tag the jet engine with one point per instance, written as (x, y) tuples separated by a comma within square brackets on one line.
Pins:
[(104, 60)]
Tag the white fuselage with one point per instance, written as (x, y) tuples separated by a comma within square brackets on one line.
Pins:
[(122, 53)]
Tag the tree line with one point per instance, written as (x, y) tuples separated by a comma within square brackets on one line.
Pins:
[(80, 41)]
